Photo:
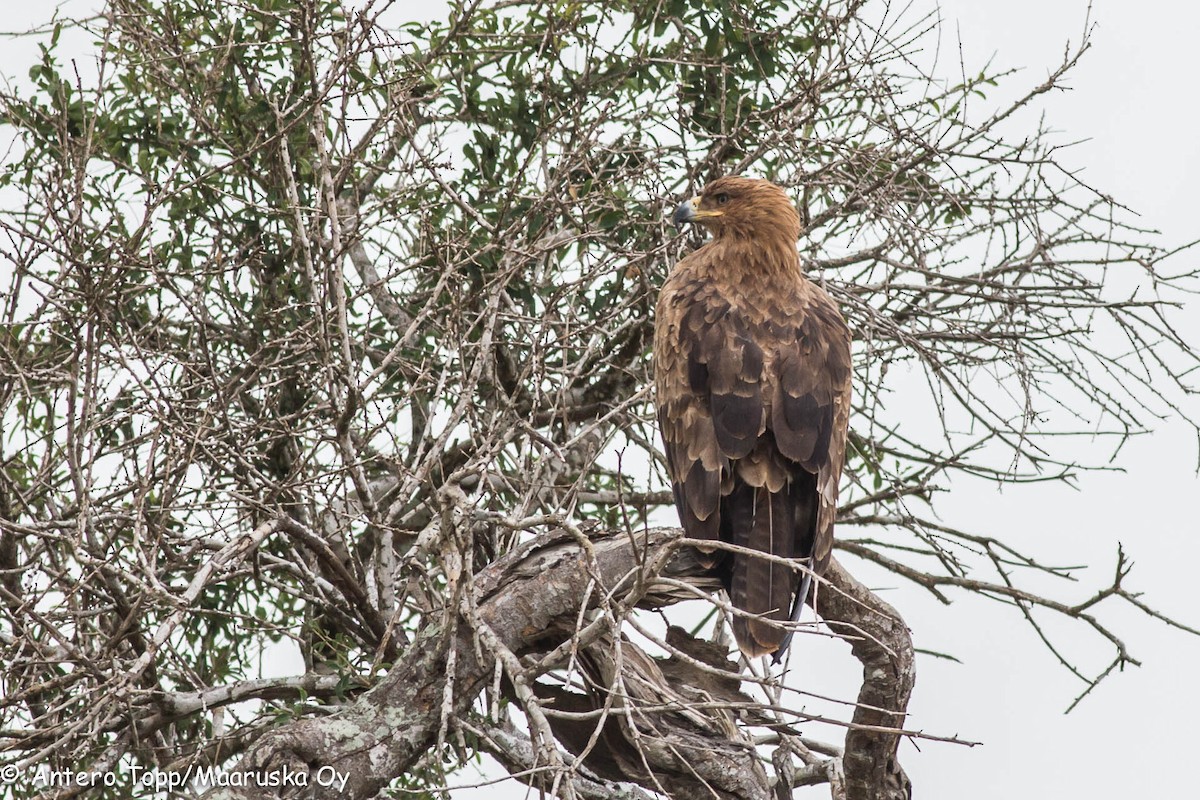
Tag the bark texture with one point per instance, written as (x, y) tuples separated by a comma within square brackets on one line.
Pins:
[(526, 601), (880, 640)]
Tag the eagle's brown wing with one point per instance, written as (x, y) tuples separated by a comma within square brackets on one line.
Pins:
[(753, 402)]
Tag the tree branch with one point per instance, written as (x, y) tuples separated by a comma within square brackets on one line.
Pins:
[(881, 640), (520, 597), (527, 600)]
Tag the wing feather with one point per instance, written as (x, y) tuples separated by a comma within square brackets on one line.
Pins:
[(708, 377)]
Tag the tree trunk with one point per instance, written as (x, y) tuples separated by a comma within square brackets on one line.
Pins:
[(521, 598)]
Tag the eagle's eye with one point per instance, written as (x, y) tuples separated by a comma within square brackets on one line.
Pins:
[(722, 199)]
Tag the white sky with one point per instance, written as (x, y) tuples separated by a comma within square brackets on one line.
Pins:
[(1133, 99)]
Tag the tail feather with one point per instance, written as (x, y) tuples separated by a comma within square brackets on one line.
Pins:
[(769, 594), (797, 610), (762, 588)]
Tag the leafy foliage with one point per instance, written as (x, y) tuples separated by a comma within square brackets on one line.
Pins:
[(316, 311)]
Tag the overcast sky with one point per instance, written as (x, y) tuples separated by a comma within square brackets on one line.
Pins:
[(1133, 98)]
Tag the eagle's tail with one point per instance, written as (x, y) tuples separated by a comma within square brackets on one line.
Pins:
[(797, 610), (765, 521)]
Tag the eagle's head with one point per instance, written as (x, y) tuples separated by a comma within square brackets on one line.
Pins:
[(745, 208)]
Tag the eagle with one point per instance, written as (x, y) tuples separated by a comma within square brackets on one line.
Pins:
[(752, 380)]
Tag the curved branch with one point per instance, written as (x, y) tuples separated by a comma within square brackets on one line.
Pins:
[(881, 640), (520, 597), (525, 598)]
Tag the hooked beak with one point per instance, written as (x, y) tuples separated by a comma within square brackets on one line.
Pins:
[(686, 211), (690, 211)]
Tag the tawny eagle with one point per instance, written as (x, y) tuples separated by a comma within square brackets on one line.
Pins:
[(752, 373)]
